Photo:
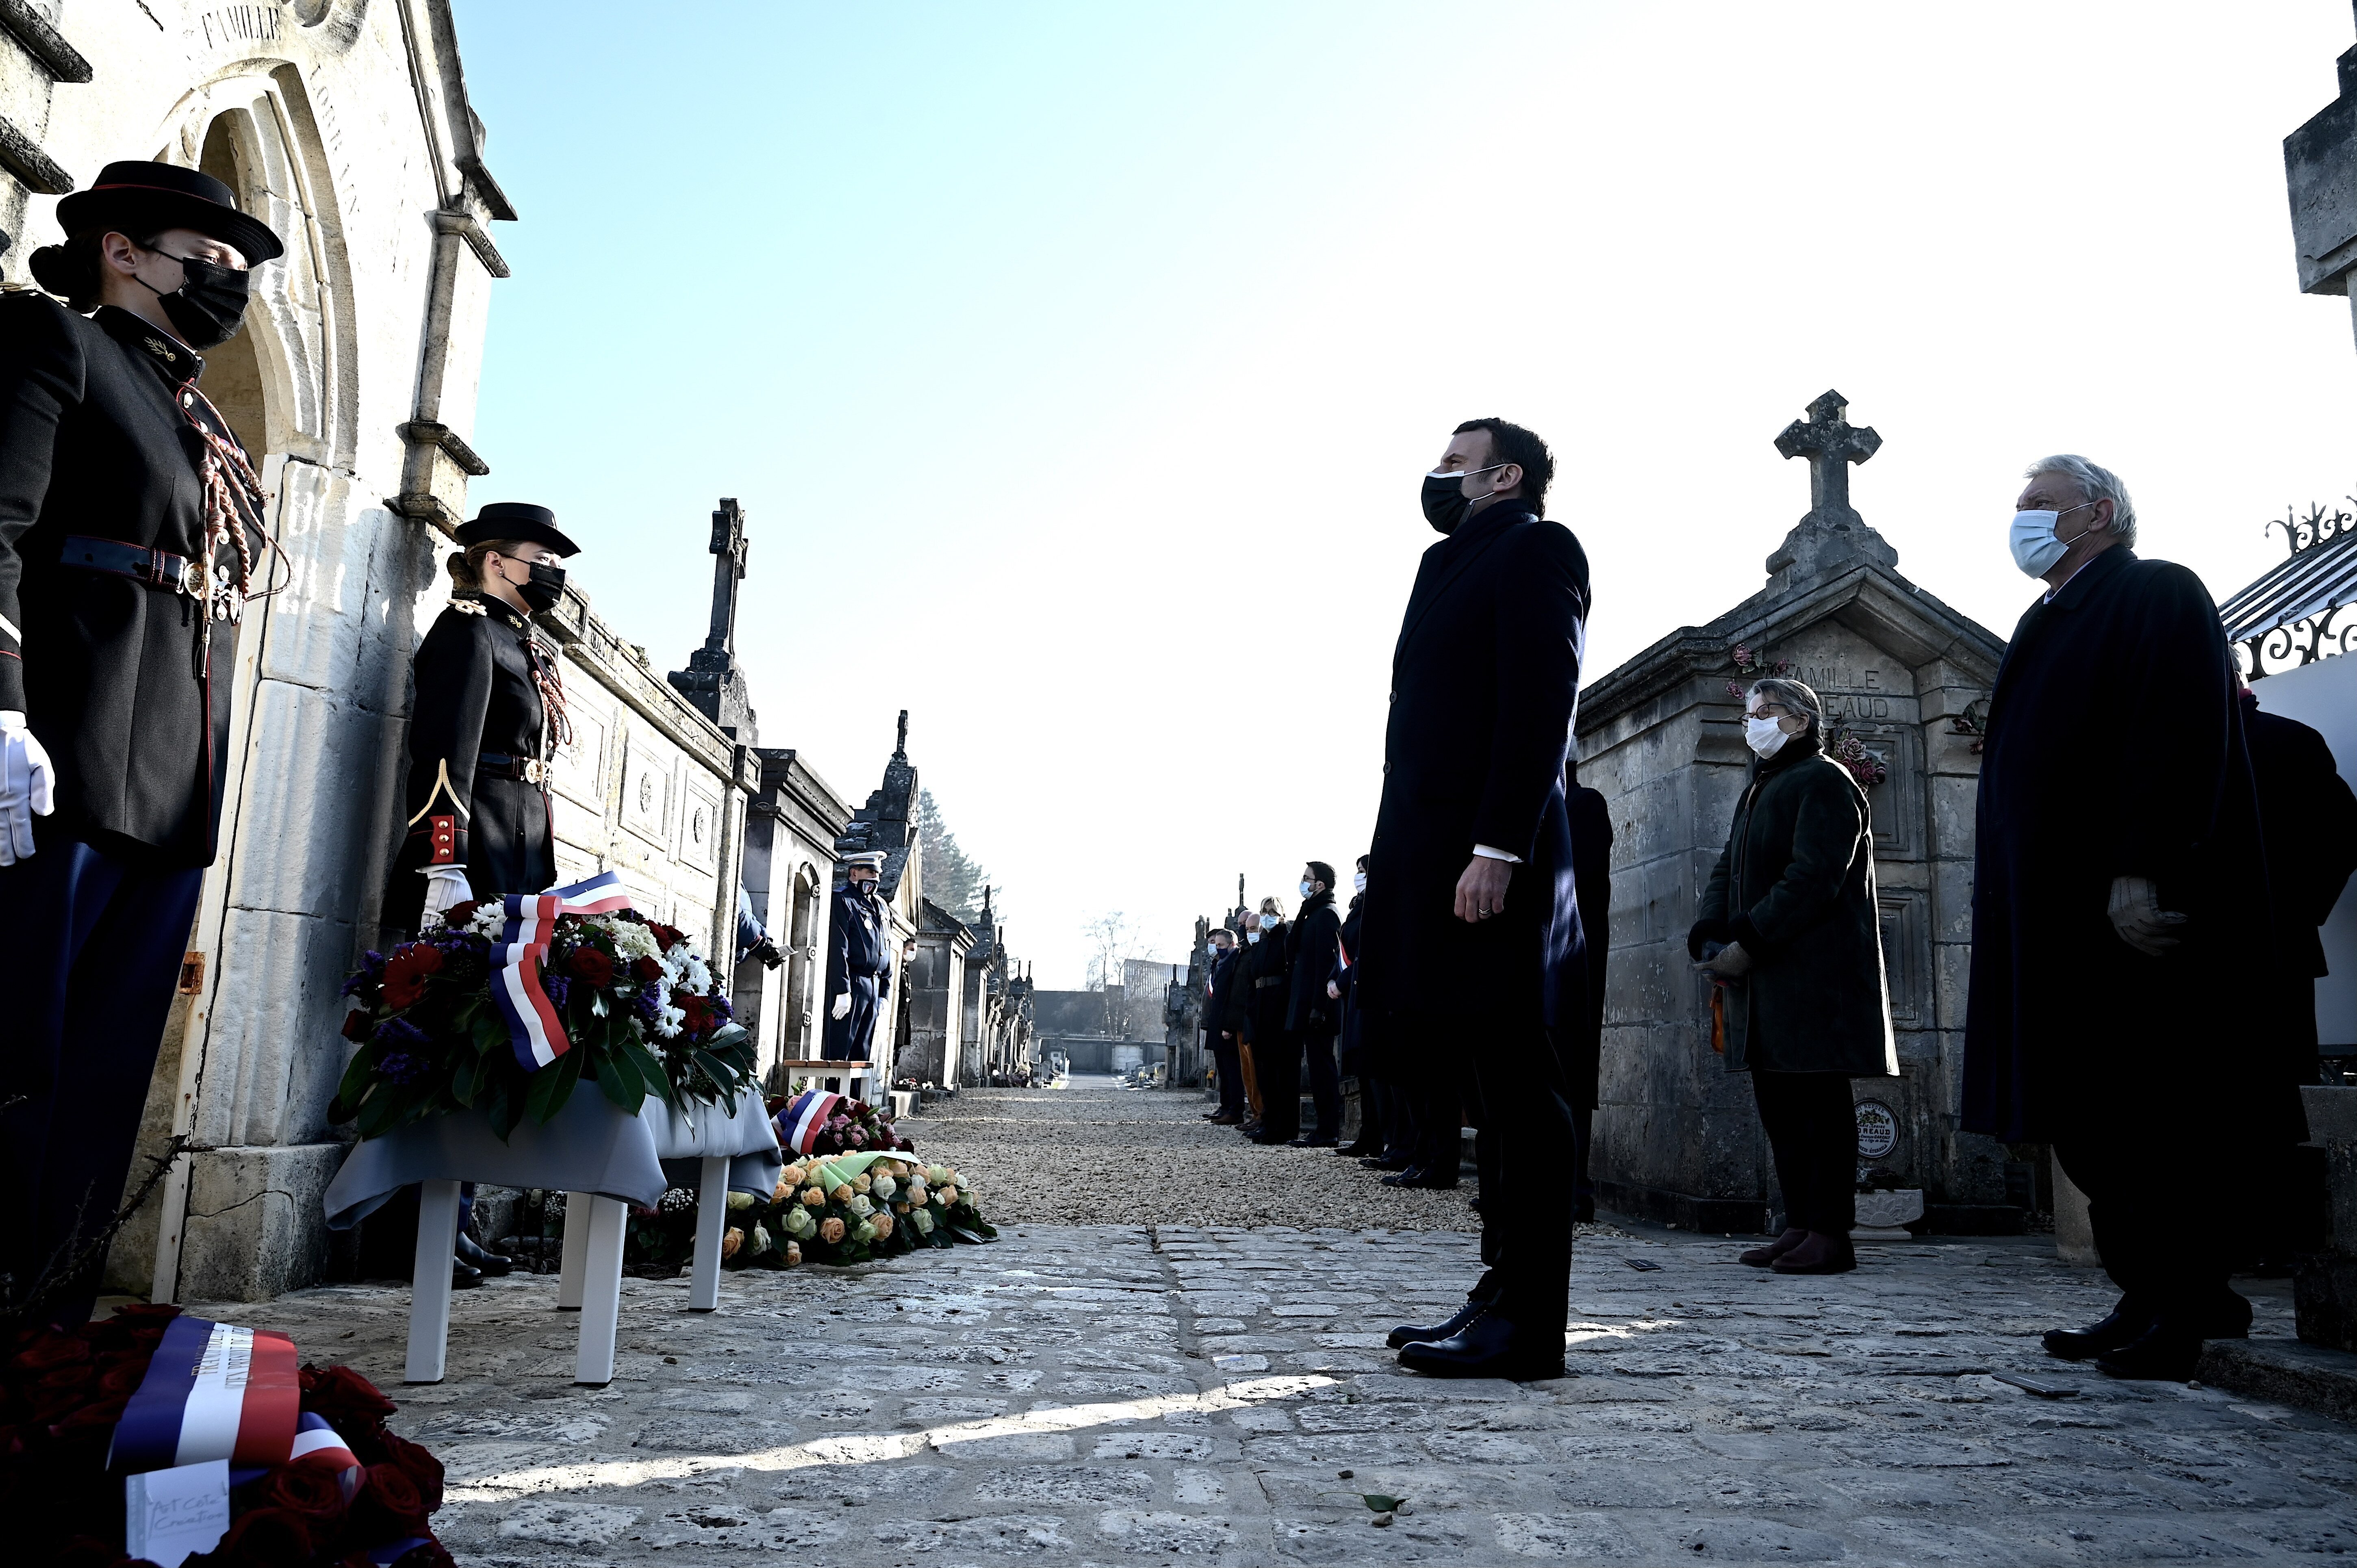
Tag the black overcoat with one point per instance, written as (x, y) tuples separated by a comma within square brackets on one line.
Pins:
[(1351, 1044), (1309, 1012), (1485, 678), (124, 685), (2115, 748), (477, 711), (1591, 861), (1795, 887), (1264, 1004), (1219, 1001), (2310, 818)]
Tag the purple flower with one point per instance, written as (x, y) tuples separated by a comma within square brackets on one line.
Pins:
[(720, 1006), (401, 1032), (558, 988), (400, 1067), (649, 1004)]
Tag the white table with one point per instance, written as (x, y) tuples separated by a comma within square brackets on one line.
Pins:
[(602, 1160), (855, 1080)]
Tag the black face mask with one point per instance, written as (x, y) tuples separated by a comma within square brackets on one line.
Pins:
[(1445, 500), (209, 306), (544, 589)]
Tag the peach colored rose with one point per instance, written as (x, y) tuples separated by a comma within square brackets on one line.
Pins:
[(830, 1229)]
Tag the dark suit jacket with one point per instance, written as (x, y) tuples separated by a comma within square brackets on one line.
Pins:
[(1218, 1007), (1310, 939), (2309, 817), (1485, 678), (125, 685)]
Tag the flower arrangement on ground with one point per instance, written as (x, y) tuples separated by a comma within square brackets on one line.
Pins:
[(504, 1008), (817, 1122), (854, 1208), (350, 1490)]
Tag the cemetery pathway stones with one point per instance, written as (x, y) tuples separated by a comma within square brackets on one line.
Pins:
[(1180, 1392)]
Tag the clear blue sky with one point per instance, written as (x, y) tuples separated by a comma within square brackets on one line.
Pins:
[(1088, 354)]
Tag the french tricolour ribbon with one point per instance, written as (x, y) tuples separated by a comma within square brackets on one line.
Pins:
[(798, 1125), (534, 1027), (214, 1392)]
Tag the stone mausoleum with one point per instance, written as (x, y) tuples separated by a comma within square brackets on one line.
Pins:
[(1678, 1137)]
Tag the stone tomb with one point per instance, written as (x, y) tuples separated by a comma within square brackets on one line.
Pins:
[(1677, 1134)]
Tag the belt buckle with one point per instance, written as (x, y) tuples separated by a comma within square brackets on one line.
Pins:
[(192, 577), (535, 771)]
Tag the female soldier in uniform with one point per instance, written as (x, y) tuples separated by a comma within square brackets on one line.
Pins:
[(131, 533), (488, 710)]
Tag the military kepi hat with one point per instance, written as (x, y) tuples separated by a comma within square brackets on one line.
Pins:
[(142, 199), (519, 520), (871, 858)]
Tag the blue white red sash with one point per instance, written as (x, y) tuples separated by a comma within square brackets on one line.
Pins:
[(214, 1392), (534, 1027), (799, 1123)]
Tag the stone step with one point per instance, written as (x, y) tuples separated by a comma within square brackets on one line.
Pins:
[(2286, 1372)]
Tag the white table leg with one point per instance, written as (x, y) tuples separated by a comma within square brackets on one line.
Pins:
[(601, 1302), (576, 1249), (429, 1289), (711, 1219)]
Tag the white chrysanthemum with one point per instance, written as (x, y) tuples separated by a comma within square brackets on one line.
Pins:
[(698, 977), (668, 1022), (489, 916)]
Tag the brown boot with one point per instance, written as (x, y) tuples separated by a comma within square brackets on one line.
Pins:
[(1818, 1254), (1760, 1257)]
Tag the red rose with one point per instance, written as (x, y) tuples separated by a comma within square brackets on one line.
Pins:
[(262, 1537), (106, 1412), (666, 936), (645, 969), (50, 1350), (699, 1015), (343, 1399), (310, 1493), (388, 1506), (459, 914), (424, 1470), (592, 966), (356, 1026)]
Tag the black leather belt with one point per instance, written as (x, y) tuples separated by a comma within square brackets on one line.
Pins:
[(156, 568), (499, 765), (1268, 980)]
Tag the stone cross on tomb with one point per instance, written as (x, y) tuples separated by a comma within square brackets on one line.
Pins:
[(728, 544), (1831, 443)]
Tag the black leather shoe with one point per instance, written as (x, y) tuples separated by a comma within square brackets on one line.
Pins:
[(1248, 1127), (1408, 1333), (1489, 1347), (2163, 1351), (1387, 1163), (1416, 1175), (2123, 1326), (464, 1275), (1312, 1141), (473, 1252), (2226, 1317), (1270, 1139), (1362, 1150), (1474, 1203)]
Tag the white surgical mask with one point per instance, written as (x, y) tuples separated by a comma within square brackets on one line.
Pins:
[(1359, 882), (1306, 888), (1252, 936), (1765, 737), (2035, 547), (1212, 949)]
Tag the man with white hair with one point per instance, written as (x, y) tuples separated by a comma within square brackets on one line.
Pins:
[(2118, 874)]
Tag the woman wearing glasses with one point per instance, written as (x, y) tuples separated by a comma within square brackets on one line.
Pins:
[(1787, 928)]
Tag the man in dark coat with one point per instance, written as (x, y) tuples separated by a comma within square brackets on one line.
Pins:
[(1309, 1013), (1471, 928), (131, 541), (1219, 1029), (1268, 997), (1591, 862), (858, 966), (2119, 881)]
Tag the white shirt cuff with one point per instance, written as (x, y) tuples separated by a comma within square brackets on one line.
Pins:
[(1486, 852)]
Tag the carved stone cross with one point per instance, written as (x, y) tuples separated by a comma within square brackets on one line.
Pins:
[(728, 544), (1831, 443)]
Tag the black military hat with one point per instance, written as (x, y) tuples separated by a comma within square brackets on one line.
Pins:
[(140, 199), (519, 520)]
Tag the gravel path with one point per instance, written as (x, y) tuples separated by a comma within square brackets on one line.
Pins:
[(1092, 1153)]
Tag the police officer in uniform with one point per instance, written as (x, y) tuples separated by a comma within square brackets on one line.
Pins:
[(489, 711), (858, 972), (132, 537)]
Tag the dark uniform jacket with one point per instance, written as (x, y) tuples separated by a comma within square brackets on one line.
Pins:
[(2115, 748), (1265, 994), (1795, 888), (477, 721), (126, 685), (1591, 860), (856, 935), (1309, 1012), (1220, 995), (1484, 681), (2309, 817)]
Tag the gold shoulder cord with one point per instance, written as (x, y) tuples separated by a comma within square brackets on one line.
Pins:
[(441, 788)]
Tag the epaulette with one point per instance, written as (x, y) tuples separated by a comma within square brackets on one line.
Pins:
[(469, 606)]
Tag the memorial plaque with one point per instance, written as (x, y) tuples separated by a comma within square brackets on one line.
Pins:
[(1878, 1129)]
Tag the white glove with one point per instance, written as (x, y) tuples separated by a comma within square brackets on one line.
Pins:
[(842, 1008), (25, 780), (2140, 919), (447, 885)]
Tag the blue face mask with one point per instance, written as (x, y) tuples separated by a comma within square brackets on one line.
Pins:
[(2035, 547)]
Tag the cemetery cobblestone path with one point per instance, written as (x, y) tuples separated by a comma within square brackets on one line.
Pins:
[(1164, 1391)]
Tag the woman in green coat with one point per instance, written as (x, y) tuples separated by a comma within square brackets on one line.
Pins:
[(1789, 926)]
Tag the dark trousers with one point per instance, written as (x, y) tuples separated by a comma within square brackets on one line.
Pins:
[(1228, 1063), (1812, 1126), (1526, 1138), (1438, 1117), (848, 1038), (1278, 1055), (1582, 1185), (1396, 1123), (1325, 1084), (2161, 1227), (91, 944)]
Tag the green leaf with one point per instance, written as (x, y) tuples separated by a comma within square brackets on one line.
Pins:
[(465, 1080), (619, 1080), (715, 1070), (551, 1086), (502, 1111), (356, 1080)]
